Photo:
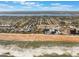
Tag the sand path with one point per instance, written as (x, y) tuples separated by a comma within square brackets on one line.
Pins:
[(38, 37)]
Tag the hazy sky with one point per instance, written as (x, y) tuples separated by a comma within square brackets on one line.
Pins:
[(39, 6)]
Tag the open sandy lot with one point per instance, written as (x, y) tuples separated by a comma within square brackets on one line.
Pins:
[(38, 37)]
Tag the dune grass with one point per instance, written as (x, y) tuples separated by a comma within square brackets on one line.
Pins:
[(36, 44), (55, 55)]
